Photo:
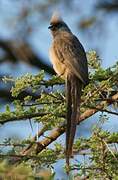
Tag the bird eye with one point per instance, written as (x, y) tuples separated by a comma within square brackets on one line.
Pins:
[(50, 27)]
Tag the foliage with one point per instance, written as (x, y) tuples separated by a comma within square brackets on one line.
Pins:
[(49, 109), (102, 154), (11, 172)]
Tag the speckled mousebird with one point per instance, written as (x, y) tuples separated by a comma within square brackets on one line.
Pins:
[(69, 61)]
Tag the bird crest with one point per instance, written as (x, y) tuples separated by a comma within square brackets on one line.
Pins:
[(56, 18)]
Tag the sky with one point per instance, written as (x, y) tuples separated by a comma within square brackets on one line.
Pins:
[(106, 41)]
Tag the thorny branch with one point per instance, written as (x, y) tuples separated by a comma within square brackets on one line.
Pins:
[(61, 129)]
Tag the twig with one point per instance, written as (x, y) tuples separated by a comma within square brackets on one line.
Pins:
[(109, 149), (37, 104), (94, 91)]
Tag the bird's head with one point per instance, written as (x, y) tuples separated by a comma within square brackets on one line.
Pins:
[(57, 25)]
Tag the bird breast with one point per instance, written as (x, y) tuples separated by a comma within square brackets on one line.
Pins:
[(58, 65)]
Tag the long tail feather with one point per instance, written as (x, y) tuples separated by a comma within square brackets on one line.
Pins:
[(74, 87), (68, 115)]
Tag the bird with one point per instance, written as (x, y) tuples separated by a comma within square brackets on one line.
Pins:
[(69, 61)]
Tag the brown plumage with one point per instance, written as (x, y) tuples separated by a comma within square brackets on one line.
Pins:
[(69, 61)]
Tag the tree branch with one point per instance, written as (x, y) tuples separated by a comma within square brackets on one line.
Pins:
[(22, 51), (61, 129), (105, 110), (22, 117), (40, 133)]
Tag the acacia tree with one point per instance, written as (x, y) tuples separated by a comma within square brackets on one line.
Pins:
[(36, 99), (48, 108)]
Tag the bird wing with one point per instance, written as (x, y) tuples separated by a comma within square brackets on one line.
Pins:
[(74, 56)]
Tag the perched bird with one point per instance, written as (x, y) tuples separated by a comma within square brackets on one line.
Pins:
[(69, 61)]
